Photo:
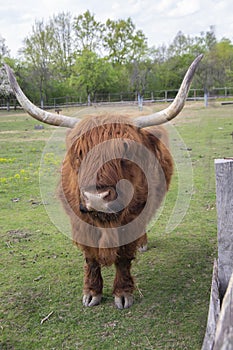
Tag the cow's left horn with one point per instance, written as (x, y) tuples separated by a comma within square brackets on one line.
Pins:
[(34, 111), (176, 106)]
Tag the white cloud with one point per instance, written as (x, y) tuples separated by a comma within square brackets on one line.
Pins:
[(160, 20), (184, 8)]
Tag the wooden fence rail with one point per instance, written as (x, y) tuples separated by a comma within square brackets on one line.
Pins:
[(214, 310), (224, 330)]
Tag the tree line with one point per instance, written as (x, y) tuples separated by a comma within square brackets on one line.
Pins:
[(80, 56)]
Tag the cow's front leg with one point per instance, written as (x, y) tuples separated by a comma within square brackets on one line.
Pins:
[(142, 243), (93, 283), (123, 284)]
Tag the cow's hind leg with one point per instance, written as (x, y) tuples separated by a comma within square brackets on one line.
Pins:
[(123, 284), (93, 283)]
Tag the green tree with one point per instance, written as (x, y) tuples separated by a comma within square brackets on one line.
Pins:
[(122, 42), (38, 53), (4, 51), (92, 74), (179, 46), (5, 89), (140, 71), (223, 52), (210, 38), (84, 51), (217, 67), (62, 52), (88, 32)]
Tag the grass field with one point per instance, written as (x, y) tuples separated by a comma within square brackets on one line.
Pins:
[(42, 272)]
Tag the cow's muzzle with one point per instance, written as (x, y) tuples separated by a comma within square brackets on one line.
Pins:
[(96, 200)]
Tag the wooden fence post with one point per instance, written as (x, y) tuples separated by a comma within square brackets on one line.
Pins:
[(224, 192)]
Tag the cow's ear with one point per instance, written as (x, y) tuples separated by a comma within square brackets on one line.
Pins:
[(158, 140), (159, 132)]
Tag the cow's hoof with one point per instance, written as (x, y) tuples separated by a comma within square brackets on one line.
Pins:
[(143, 248), (124, 302), (90, 300)]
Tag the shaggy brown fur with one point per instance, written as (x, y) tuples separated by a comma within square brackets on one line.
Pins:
[(101, 151)]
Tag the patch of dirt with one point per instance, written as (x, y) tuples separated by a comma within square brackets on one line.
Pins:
[(16, 236), (6, 345)]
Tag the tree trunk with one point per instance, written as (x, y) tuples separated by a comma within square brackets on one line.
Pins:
[(140, 101), (89, 99)]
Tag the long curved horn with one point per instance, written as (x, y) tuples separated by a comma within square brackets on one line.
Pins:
[(176, 106), (34, 111)]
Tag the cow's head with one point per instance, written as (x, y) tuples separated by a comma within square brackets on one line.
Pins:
[(113, 161)]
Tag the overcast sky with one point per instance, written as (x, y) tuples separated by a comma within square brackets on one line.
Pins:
[(160, 20)]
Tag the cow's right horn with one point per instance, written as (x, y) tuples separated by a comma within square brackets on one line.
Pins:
[(176, 106), (34, 111)]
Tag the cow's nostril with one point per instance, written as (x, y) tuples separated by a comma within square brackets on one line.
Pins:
[(82, 208)]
